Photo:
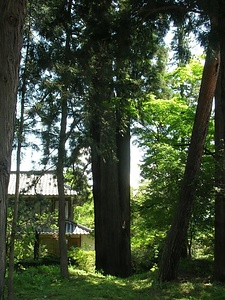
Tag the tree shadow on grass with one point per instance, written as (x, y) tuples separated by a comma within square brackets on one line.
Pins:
[(45, 283)]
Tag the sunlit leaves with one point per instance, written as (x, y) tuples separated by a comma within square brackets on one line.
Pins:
[(164, 136), (186, 80)]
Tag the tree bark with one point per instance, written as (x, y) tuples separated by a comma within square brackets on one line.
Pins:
[(219, 250), (106, 197), (62, 201), (123, 154), (111, 198), (109, 151), (178, 232), (11, 25)]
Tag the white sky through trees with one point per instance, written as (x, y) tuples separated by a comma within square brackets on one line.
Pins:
[(30, 161)]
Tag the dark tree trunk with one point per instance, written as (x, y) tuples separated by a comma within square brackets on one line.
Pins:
[(62, 201), (110, 167), (107, 230), (184, 253), (178, 232), (36, 245), (11, 23), (123, 156), (219, 257), (106, 197), (110, 150)]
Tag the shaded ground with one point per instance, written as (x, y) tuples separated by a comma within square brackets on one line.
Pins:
[(43, 282)]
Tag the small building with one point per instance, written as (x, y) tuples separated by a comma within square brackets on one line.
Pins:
[(40, 191), (77, 235)]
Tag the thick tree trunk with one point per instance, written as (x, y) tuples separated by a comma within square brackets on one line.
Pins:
[(123, 156), (111, 198), (106, 196), (219, 257), (11, 23), (178, 232), (110, 151), (107, 229)]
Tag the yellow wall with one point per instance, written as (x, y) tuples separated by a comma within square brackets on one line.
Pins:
[(50, 241)]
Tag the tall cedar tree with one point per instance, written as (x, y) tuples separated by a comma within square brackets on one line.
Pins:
[(110, 150), (116, 74), (11, 25)]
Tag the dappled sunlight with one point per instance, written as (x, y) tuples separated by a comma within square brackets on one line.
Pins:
[(44, 282)]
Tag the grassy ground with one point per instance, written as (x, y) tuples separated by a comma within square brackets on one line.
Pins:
[(44, 282)]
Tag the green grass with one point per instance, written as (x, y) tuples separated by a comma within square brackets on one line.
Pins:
[(44, 282)]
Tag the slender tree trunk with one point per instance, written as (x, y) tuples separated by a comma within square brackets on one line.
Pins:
[(62, 201), (219, 257), (15, 214), (36, 245), (178, 232), (11, 23), (62, 152)]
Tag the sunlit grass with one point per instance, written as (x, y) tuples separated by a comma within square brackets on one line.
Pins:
[(44, 282)]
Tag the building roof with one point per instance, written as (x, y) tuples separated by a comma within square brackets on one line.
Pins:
[(75, 228), (37, 182), (71, 228)]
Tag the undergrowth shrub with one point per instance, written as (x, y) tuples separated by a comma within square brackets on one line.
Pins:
[(143, 259), (196, 267), (146, 254), (84, 260)]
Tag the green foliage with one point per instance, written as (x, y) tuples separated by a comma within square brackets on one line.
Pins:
[(24, 248), (82, 259), (164, 136), (148, 229), (77, 179), (145, 257), (186, 80), (84, 214), (33, 215)]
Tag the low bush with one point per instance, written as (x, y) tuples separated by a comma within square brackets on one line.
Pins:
[(143, 259), (84, 260)]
